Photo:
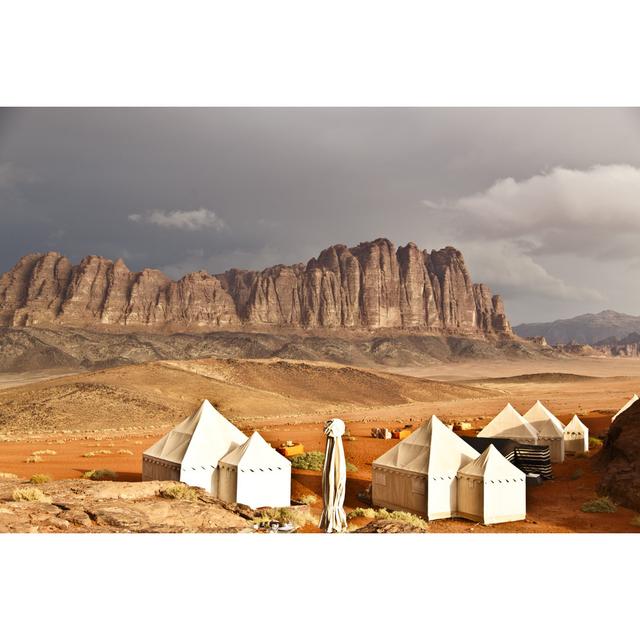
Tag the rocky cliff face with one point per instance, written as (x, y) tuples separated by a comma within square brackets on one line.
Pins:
[(620, 458), (371, 286)]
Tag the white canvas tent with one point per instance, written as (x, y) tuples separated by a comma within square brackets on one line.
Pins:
[(190, 452), (626, 406), (419, 473), (491, 489), (576, 436), (550, 430), (255, 474), (510, 424)]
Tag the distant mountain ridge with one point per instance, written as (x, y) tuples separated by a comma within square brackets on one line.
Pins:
[(589, 328), (371, 286)]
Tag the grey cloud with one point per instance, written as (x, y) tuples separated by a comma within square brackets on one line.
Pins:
[(289, 182), (516, 274), (563, 211), (185, 220)]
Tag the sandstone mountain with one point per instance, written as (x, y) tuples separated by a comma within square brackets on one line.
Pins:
[(372, 286)]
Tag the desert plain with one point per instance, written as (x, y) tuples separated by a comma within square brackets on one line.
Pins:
[(64, 423)]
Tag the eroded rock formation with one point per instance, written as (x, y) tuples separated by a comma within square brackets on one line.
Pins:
[(620, 458), (371, 286)]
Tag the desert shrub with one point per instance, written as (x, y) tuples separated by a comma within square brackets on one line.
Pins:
[(29, 494), (89, 454), (577, 474), (125, 452), (599, 505), (309, 499), (297, 517), (384, 514), (31, 459), (313, 461), (179, 492), (39, 478), (362, 512), (103, 452), (594, 442), (45, 452), (7, 476), (100, 474), (403, 516)]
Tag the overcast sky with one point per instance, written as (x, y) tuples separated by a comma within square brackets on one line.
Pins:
[(544, 203)]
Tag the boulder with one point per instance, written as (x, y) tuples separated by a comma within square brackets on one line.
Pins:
[(620, 459)]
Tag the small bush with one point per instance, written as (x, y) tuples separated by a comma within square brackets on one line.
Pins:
[(7, 476), (103, 452), (284, 515), (577, 474), (599, 505), (29, 494), (594, 442), (362, 512), (309, 499), (39, 478), (31, 459), (45, 452), (89, 454), (179, 492), (125, 452), (313, 461), (384, 514), (100, 474)]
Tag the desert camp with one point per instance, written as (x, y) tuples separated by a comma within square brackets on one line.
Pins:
[(510, 424), (190, 452), (419, 474), (576, 436), (208, 451), (550, 430), (491, 489), (255, 474)]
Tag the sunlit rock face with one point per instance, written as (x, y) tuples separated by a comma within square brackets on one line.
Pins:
[(371, 286)]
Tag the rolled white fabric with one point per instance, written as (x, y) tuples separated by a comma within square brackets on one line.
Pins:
[(334, 478)]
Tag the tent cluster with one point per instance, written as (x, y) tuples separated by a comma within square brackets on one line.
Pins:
[(530, 458), (208, 451), (539, 426), (437, 474)]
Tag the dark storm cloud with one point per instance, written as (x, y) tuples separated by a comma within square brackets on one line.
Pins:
[(182, 189)]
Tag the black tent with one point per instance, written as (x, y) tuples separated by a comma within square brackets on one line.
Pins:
[(530, 458)]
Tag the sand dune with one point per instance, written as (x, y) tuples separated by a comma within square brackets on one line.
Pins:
[(155, 395)]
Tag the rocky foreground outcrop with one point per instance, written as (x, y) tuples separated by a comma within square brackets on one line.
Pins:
[(371, 286), (620, 458), (86, 506)]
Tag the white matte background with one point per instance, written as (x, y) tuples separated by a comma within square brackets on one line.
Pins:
[(318, 53)]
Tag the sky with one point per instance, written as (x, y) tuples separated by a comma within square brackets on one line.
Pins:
[(543, 203)]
